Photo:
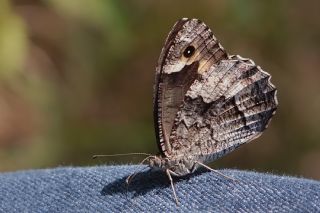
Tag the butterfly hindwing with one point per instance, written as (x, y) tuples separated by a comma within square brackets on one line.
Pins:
[(229, 105)]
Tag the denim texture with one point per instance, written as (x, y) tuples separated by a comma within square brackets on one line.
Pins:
[(103, 189)]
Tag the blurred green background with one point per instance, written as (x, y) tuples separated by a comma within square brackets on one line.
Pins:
[(76, 78)]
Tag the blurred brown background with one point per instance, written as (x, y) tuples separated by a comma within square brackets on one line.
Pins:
[(76, 78)]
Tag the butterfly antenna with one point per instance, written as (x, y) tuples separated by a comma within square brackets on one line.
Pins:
[(126, 154)]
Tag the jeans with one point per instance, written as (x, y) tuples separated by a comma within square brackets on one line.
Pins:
[(103, 189)]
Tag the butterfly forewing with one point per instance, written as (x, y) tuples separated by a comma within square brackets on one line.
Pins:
[(178, 69)]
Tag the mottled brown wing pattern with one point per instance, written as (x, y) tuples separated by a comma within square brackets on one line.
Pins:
[(231, 104), (175, 72)]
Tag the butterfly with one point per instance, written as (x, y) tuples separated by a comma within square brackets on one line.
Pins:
[(206, 102)]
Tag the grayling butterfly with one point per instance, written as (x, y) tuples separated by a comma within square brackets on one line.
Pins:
[(206, 102)]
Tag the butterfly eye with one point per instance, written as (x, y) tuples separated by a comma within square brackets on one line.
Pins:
[(188, 52)]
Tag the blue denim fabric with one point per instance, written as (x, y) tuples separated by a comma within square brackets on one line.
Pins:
[(103, 189)]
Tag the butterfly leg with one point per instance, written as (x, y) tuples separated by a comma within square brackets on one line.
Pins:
[(130, 177), (216, 171), (169, 173)]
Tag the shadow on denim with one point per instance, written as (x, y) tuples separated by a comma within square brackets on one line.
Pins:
[(103, 189), (145, 181)]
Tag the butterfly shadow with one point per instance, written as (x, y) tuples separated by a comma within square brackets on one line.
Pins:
[(144, 182)]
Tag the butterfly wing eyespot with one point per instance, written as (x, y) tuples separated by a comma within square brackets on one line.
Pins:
[(189, 51)]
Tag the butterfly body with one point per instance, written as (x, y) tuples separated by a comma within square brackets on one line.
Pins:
[(178, 165)]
